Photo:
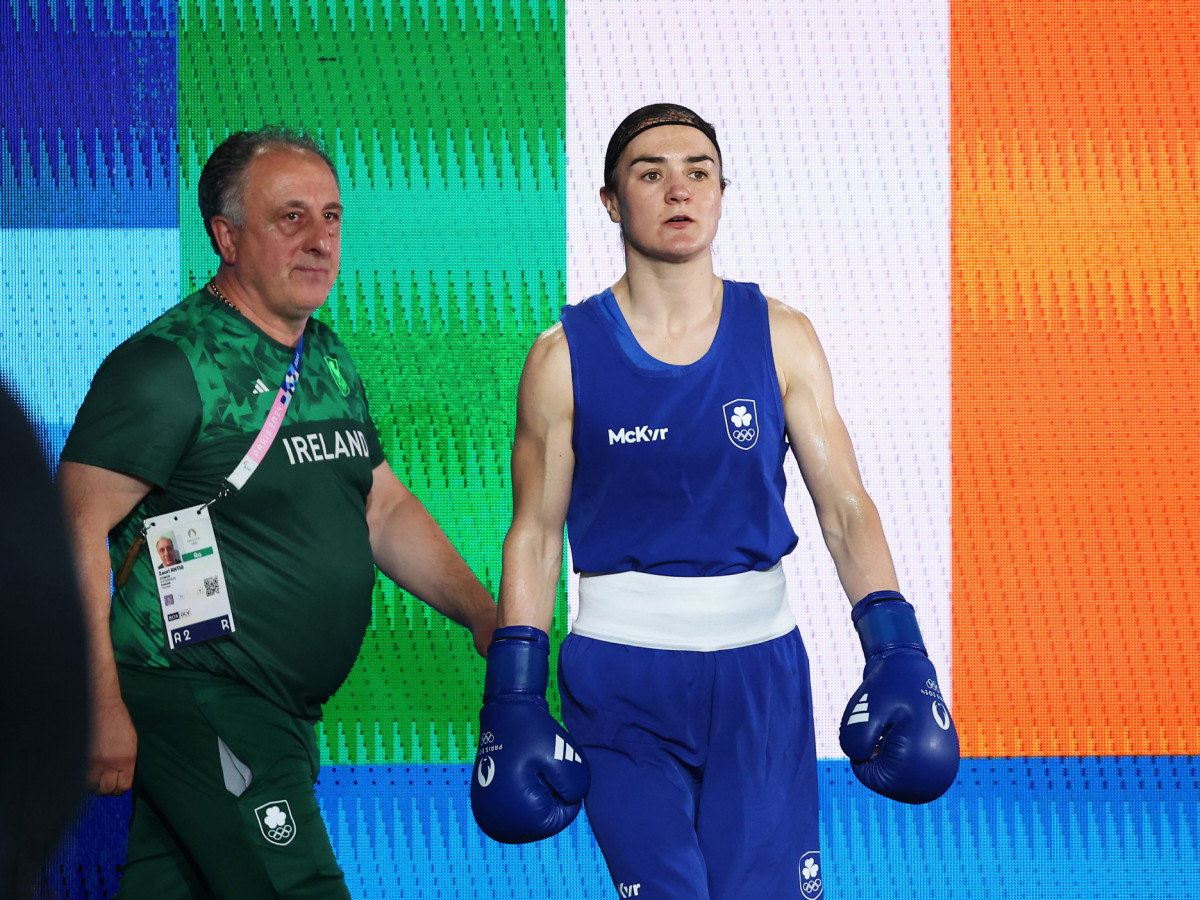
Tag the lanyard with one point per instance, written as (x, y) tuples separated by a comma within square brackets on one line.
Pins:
[(250, 462), (266, 435)]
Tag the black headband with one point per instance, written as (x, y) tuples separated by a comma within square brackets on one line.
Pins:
[(651, 117)]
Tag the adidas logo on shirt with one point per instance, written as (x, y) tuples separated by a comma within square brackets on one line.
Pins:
[(564, 751), (259, 387)]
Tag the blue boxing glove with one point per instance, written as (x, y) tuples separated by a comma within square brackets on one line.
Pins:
[(529, 780), (897, 729)]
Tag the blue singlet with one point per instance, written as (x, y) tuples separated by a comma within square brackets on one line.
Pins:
[(678, 469)]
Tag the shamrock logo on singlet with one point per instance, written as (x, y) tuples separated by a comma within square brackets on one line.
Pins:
[(741, 423)]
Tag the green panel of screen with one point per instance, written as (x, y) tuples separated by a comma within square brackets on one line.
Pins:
[(446, 121)]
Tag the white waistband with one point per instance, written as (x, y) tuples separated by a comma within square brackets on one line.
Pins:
[(666, 612)]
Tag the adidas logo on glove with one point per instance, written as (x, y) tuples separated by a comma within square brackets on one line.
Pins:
[(859, 713), (564, 751)]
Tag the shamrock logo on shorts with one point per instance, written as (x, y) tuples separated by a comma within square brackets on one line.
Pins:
[(810, 875), (275, 822)]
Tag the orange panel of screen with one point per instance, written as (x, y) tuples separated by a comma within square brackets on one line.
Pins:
[(1075, 234)]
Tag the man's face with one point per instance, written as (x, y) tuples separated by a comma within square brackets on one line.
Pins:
[(287, 250), (166, 552)]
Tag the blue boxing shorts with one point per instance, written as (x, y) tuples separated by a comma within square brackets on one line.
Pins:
[(703, 762)]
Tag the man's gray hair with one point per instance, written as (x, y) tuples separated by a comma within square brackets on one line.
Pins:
[(222, 186)]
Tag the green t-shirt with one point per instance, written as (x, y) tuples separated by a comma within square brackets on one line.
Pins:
[(179, 404)]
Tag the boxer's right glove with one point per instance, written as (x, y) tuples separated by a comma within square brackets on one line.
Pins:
[(529, 780)]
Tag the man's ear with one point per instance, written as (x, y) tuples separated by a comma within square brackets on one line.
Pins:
[(226, 234)]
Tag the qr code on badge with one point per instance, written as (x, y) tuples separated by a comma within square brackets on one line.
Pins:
[(212, 586)]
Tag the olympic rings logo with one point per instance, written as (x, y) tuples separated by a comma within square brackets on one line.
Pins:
[(275, 822), (744, 434), (810, 875)]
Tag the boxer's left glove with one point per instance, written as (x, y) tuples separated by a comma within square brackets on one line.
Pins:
[(897, 729), (529, 778)]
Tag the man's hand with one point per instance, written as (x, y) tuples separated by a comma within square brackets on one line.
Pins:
[(482, 625), (112, 749), (410, 548), (95, 500)]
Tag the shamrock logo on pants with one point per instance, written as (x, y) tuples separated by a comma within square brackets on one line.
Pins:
[(275, 822)]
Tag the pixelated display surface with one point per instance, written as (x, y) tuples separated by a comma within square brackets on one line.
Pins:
[(1076, 491), (446, 126), (988, 209)]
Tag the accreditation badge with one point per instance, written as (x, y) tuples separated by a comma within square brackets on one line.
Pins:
[(191, 582)]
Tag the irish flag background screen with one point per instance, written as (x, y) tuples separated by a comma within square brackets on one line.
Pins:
[(988, 210)]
